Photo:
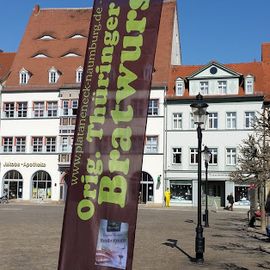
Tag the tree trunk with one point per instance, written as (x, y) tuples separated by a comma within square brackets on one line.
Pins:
[(262, 207), (253, 201)]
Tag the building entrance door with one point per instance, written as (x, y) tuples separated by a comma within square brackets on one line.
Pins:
[(217, 189), (13, 185), (146, 188)]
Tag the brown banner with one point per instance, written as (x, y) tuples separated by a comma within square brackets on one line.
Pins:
[(101, 206)]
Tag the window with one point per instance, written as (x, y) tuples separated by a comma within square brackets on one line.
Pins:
[(179, 87), (193, 156), (249, 84), (40, 55), (65, 107), (231, 120), (46, 37), (9, 109), (177, 155), (192, 124), (53, 75), (52, 108), (50, 144), (64, 144), (177, 120), (213, 120), (153, 107), (24, 76), (7, 144), (79, 73), (204, 88), (22, 109), (230, 156), (222, 87), (37, 144), (214, 156), (20, 143), (249, 119), (77, 36), (151, 145), (74, 106), (39, 109), (41, 185)]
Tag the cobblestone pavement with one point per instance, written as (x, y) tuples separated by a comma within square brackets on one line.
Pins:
[(165, 237)]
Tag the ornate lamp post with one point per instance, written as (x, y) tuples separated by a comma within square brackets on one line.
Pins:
[(207, 156), (198, 108)]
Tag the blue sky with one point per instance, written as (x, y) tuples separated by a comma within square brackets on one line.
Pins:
[(228, 31)]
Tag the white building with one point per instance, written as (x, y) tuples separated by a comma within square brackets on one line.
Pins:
[(39, 103), (235, 94)]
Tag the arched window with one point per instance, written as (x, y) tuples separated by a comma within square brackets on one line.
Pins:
[(13, 184), (41, 185), (146, 188), (24, 76), (79, 72), (179, 87)]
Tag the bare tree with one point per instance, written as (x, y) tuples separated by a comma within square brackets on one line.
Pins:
[(253, 162)]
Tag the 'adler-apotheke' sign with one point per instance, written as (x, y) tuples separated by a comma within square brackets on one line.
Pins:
[(101, 206)]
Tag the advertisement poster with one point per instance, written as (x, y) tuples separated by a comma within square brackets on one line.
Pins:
[(112, 244), (102, 200)]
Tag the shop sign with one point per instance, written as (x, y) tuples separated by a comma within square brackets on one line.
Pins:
[(103, 188), (24, 164)]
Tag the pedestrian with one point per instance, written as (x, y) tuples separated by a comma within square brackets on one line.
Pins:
[(230, 199), (167, 197)]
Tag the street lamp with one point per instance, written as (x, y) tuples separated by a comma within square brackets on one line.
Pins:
[(199, 113), (207, 156)]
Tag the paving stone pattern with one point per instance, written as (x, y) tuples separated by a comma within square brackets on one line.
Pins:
[(165, 238)]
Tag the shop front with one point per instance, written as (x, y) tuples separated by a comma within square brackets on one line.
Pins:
[(181, 192)]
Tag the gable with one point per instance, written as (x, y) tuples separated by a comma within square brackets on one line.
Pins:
[(214, 70)]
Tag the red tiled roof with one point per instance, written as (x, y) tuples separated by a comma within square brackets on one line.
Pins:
[(62, 24), (6, 60), (57, 23), (260, 70)]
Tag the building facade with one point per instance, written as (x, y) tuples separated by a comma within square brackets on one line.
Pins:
[(39, 102), (235, 94)]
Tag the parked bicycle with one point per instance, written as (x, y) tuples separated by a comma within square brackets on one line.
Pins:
[(4, 199)]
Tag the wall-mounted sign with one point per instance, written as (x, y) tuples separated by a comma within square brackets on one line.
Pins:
[(24, 164)]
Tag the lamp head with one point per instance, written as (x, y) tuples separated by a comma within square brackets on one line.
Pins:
[(207, 154), (198, 108)]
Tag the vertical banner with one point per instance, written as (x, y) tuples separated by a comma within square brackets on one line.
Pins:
[(101, 207)]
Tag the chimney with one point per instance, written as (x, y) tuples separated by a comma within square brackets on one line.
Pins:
[(266, 52), (36, 9)]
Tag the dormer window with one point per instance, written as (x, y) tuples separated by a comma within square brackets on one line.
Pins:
[(53, 75), (222, 87), (204, 87), (46, 37), (24, 76), (79, 72), (77, 36), (40, 55), (249, 84), (71, 54), (179, 87)]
